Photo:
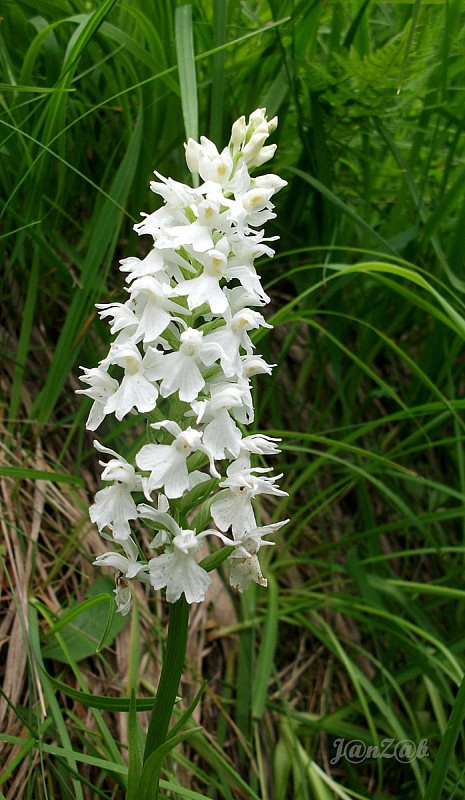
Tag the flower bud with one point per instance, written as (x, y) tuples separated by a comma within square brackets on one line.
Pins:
[(238, 132), (263, 155), (254, 145), (192, 149), (256, 119), (272, 125)]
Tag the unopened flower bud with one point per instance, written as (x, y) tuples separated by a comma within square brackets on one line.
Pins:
[(254, 145), (272, 125), (238, 132), (257, 118), (192, 149), (263, 155)]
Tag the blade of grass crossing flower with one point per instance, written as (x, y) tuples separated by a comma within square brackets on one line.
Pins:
[(186, 67)]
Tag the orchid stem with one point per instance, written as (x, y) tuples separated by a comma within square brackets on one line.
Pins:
[(173, 663)]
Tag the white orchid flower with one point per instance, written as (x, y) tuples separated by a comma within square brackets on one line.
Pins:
[(182, 340)]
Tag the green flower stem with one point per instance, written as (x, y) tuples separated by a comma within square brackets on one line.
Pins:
[(173, 663)]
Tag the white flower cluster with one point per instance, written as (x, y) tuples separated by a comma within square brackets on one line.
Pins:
[(182, 342)]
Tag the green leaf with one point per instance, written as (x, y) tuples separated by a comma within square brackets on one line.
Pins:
[(84, 626), (186, 67), (6, 87), (135, 751), (84, 33), (186, 715), (267, 650), (196, 496), (214, 560), (114, 704), (445, 753), (39, 475), (152, 767)]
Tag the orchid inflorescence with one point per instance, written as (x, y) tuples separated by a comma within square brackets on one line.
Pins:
[(183, 335)]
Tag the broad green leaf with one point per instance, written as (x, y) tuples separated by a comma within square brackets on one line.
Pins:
[(84, 624)]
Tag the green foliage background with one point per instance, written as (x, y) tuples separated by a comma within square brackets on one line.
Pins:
[(360, 633)]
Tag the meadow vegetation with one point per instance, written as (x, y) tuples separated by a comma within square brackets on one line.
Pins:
[(359, 634)]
